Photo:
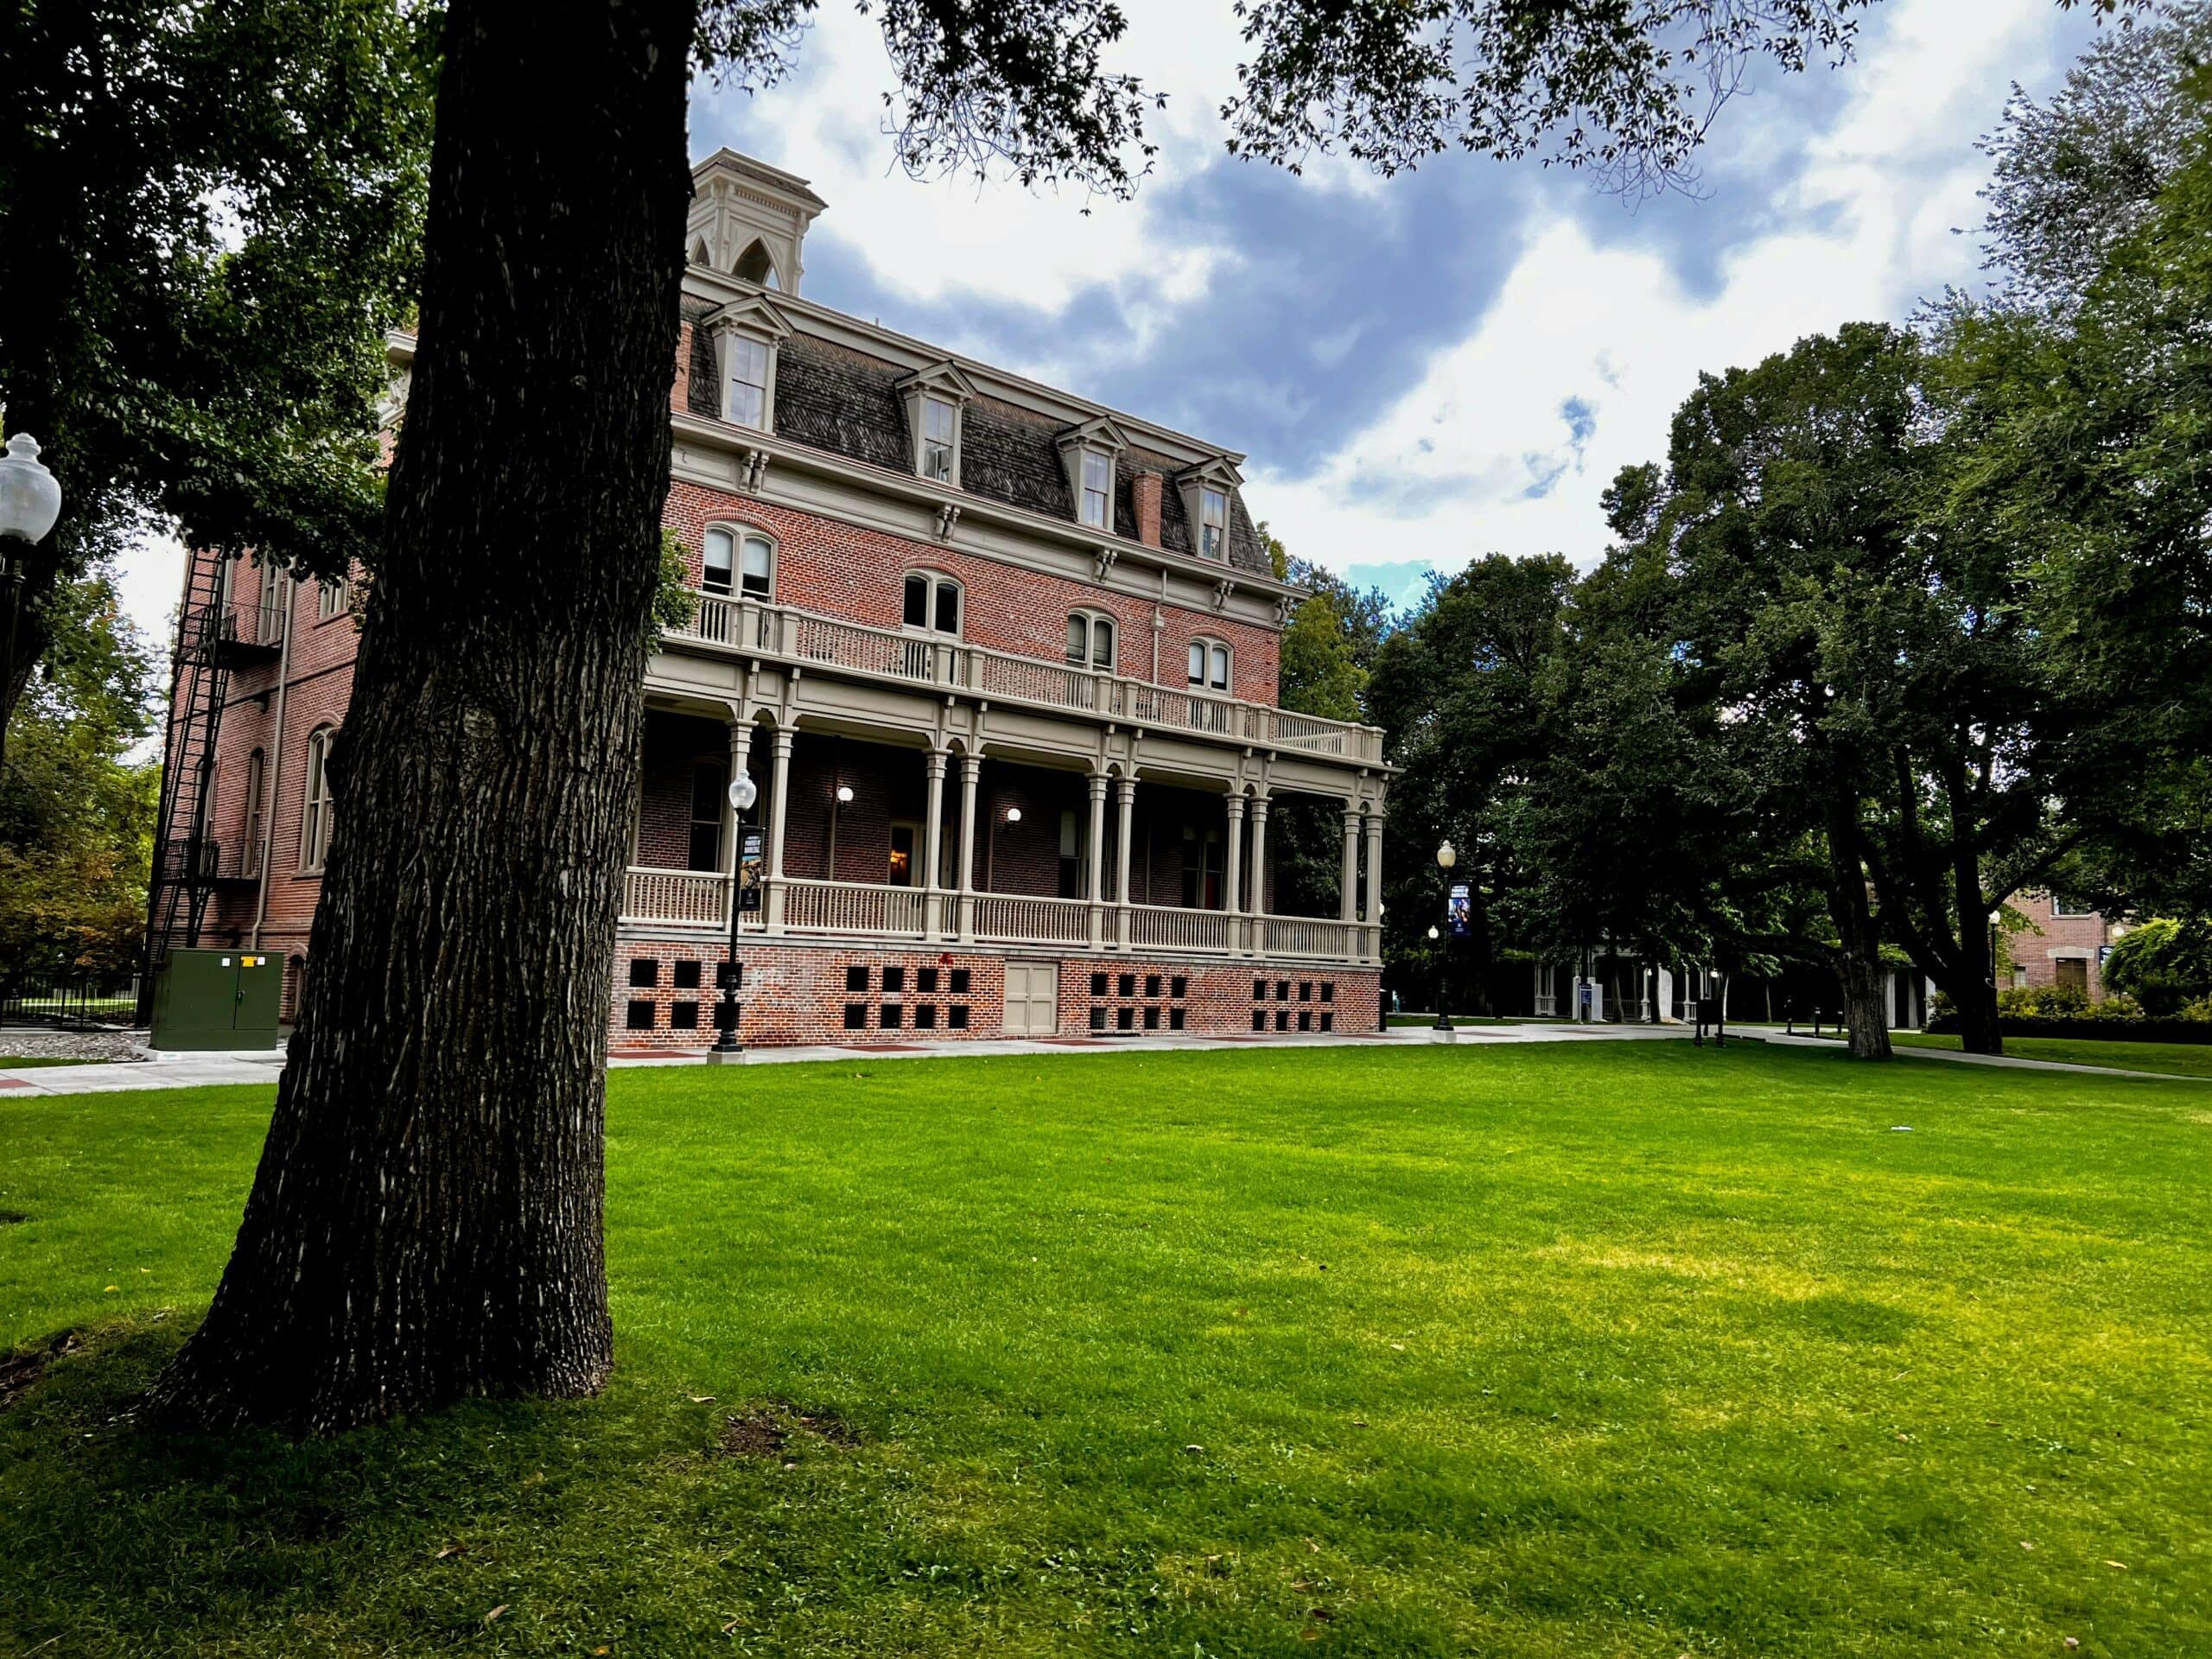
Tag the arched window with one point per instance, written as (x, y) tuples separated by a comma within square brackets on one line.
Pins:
[(755, 264), (1091, 640), (315, 813), (738, 559), (256, 807), (933, 602), (1210, 662)]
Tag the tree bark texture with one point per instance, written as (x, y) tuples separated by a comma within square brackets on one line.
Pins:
[(426, 1220)]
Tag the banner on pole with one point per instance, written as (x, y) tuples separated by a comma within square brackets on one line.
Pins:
[(1462, 920)]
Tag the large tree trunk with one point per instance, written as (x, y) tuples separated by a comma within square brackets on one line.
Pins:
[(1858, 963), (1976, 1001), (425, 1222)]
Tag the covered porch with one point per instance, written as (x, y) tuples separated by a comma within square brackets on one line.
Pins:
[(879, 835)]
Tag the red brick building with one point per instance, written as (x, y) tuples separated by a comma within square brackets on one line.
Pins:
[(1000, 662), (2064, 945)]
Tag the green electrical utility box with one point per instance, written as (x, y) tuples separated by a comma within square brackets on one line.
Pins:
[(217, 999)]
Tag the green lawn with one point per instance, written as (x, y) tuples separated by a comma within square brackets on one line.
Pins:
[(1599, 1350), (18, 1062)]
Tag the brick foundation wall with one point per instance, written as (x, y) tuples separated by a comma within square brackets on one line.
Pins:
[(798, 993)]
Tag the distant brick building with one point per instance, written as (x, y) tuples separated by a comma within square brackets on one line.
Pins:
[(1001, 662), (2065, 945)]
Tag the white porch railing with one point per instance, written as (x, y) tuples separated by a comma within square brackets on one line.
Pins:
[(779, 631), (853, 907), (700, 899), (676, 898), (1154, 928), (1009, 918)]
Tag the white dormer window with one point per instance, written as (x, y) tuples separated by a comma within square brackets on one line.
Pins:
[(1213, 525), (936, 397), (1097, 489), (747, 334), (1207, 489), (940, 436), (748, 381)]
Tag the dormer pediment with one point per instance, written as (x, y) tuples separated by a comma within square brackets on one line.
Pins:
[(754, 315), (938, 380), (1096, 433)]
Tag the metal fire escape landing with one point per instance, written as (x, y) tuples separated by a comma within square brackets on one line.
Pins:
[(212, 636)]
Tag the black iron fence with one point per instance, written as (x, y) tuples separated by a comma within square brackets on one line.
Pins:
[(68, 1006)]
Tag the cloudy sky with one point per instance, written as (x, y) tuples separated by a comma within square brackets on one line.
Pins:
[(1422, 369)]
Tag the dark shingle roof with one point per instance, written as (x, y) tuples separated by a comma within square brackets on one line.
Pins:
[(832, 398)]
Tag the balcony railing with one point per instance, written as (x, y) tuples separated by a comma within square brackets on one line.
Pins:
[(700, 899), (778, 630)]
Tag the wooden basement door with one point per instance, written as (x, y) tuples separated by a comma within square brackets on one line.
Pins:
[(1033, 998)]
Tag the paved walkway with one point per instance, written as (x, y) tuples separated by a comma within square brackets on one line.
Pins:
[(180, 1070), (2011, 1062)]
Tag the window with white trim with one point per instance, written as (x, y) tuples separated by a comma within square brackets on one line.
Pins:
[(940, 441), (1091, 640), (1213, 525), (738, 560), (931, 602), (748, 381), (332, 598), (2064, 906), (316, 811), (1210, 663), (1097, 503)]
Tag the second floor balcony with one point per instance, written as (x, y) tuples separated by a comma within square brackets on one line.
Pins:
[(784, 633)]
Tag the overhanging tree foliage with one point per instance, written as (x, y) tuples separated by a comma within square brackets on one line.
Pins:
[(209, 216)]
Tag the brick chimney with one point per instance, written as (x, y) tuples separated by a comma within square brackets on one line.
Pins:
[(1144, 498)]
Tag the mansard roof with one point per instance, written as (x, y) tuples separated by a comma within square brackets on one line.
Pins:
[(834, 394)]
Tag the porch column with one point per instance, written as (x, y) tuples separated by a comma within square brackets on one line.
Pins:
[(779, 796), (971, 766), (1233, 885), (1126, 797), (1258, 874), (1374, 883), (1348, 878), (932, 844), (1094, 866)]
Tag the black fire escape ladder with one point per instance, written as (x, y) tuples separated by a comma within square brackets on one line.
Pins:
[(184, 857)]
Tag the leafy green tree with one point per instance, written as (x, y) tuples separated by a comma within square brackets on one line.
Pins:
[(209, 216), (2163, 964), (76, 811), (1325, 653)]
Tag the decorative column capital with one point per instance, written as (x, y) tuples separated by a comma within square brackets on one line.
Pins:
[(1237, 809)]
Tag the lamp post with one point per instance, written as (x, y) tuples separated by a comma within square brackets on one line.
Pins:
[(30, 500), (743, 792), (1446, 858)]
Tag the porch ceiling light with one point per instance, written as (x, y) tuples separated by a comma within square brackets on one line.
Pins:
[(30, 498), (1446, 858), (1014, 815), (844, 794)]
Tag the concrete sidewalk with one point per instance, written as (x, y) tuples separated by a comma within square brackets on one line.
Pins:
[(2007, 1062), (180, 1070)]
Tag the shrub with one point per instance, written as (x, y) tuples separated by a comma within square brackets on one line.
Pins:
[(2164, 963)]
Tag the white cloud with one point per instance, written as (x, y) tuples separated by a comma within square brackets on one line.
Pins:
[(1862, 232)]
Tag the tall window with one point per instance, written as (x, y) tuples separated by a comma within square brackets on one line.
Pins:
[(255, 809), (1097, 489), (1074, 832), (1210, 664), (748, 381), (276, 603), (331, 598), (901, 873), (743, 561), (709, 780), (939, 426), (1213, 526), (1091, 640), (316, 813), (1201, 869), (931, 602)]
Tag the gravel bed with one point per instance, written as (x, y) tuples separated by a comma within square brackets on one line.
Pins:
[(44, 1042)]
